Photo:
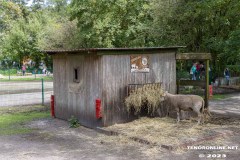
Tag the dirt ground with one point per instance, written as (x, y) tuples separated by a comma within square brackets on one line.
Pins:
[(166, 132), (52, 139)]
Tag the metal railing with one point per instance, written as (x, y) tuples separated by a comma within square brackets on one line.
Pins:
[(15, 93), (12, 73)]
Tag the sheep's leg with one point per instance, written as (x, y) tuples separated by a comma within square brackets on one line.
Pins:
[(208, 112), (202, 117), (178, 115), (199, 118), (198, 113)]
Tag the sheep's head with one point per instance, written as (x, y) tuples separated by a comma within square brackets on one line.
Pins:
[(165, 95)]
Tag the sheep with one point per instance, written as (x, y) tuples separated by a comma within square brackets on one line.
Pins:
[(186, 103)]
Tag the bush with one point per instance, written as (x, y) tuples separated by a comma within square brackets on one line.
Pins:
[(5, 72), (73, 122), (183, 75), (234, 70)]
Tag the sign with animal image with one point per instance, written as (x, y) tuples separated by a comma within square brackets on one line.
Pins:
[(139, 63)]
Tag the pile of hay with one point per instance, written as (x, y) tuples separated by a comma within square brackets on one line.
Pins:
[(165, 131), (150, 96)]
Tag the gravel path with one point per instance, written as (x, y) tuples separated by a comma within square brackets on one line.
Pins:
[(229, 107), (24, 93), (52, 139)]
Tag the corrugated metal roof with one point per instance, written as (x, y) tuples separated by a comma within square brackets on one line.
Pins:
[(92, 50)]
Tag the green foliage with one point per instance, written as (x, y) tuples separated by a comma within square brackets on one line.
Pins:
[(8, 12), (21, 41), (59, 6), (59, 35), (5, 72), (203, 26), (231, 54), (163, 30), (234, 70), (74, 123), (29, 79), (219, 96), (183, 75), (109, 23)]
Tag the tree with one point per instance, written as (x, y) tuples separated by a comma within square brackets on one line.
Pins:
[(27, 30), (112, 23), (231, 50), (37, 4), (21, 41), (163, 31), (203, 26), (59, 6), (59, 35), (8, 12)]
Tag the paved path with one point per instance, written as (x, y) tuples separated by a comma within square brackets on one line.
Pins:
[(24, 93), (16, 86), (24, 99), (227, 107)]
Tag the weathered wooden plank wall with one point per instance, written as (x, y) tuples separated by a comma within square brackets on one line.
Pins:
[(82, 95), (105, 77), (60, 86), (163, 70), (77, 99), (117, 75)]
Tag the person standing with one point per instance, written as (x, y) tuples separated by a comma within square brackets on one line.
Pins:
[(197, 71), (193, 71), (227, 75), (44, 71), (23, 69), (202, 71)]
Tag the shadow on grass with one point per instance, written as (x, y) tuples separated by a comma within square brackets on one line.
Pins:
[(12, 119)]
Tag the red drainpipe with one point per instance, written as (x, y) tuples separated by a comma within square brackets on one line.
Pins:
[(52, 106), (98, 109)]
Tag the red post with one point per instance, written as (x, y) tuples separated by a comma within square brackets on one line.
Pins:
[(98, 108), (210, 91), (52, 106)]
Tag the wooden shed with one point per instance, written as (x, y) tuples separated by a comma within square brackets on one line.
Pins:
[(82, 76)]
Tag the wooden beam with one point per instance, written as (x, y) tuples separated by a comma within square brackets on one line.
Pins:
[(136, 52), (191, 83), (193, 56)]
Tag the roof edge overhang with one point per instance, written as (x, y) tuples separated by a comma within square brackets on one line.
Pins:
[(193, 56), (111, 50)]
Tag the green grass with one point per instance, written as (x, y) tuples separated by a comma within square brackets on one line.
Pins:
[(219, 96), (12, 121), (5, 72), (46, 78)]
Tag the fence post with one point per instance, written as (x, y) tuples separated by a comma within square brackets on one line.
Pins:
[(9, 73), (42, 92), (206, 83)]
